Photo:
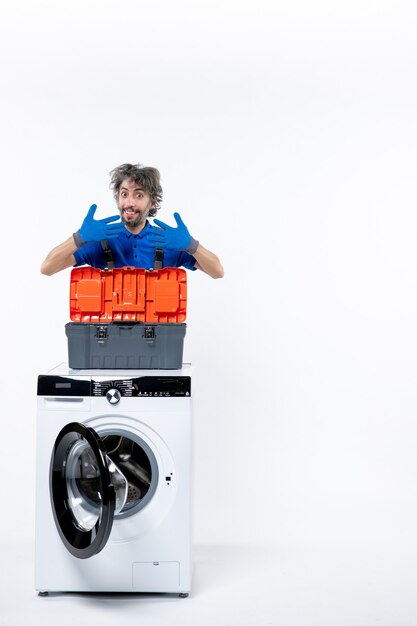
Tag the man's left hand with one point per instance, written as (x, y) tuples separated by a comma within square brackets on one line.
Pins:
[(173, 238)]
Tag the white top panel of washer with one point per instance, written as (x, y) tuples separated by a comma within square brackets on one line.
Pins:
[(63, 370)]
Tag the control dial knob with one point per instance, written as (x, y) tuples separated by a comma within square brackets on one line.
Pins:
[(113, 396)]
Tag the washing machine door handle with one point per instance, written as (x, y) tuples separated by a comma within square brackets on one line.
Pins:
[(82, 492)]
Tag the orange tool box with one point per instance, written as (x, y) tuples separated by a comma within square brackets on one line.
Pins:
[(128, 294)]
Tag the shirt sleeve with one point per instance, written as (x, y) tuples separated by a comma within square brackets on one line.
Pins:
[(90, 254), (187, 261)]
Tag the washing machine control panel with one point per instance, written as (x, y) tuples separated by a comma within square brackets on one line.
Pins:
[(142, 386), (117, 388)]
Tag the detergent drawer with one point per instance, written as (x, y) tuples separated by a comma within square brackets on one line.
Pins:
[(125, 345)]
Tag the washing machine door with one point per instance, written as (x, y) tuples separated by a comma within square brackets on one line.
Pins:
[(83, 495)]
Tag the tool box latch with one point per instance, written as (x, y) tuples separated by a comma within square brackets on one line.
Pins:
[(149, 334), (101, 334)]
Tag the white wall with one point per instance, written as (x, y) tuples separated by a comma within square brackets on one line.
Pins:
[(286, 136)]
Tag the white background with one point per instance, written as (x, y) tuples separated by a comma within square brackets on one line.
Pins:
[(286, 135)]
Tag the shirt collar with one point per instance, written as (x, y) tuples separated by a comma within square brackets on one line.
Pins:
[(142, 233)]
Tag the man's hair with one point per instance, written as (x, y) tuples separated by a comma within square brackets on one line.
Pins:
[(148, 177)]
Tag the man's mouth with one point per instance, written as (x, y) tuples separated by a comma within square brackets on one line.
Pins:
[(133, 217), (130, 213)]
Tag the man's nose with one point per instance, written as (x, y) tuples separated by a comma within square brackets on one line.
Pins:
[(128, 202)]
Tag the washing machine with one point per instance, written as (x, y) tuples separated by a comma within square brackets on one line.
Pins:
[(113, 500)]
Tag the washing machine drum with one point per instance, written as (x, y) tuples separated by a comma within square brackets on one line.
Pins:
[(87, 490)]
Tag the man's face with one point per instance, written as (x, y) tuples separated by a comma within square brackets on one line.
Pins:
[(134, 203)]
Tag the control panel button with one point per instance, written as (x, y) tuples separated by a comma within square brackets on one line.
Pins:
[(113, 396)]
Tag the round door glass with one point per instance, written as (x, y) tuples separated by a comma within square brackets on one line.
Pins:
[(84, 490), (82, 475)]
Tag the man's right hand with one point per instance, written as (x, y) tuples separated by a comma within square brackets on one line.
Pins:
[(97, 230)]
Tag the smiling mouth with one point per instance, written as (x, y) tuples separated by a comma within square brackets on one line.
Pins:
[(130, 212), (132, 217)]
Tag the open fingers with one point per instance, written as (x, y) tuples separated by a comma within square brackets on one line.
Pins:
[(178, 219), (91, 211), (157, 240), (117, 228), (113, 218), (161, 224)]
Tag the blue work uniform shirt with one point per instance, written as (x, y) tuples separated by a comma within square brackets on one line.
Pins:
[(132, 250)]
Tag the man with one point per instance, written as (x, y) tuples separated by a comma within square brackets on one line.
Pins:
[(132, 242)]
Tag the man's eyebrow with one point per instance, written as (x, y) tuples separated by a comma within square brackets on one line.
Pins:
[(135, 189)]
